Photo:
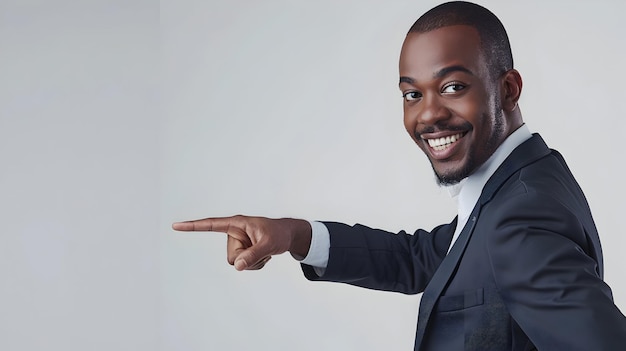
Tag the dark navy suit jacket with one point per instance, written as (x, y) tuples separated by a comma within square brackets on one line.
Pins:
[(524, 274)]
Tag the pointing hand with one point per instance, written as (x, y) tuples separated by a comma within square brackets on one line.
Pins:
[(253, 240)]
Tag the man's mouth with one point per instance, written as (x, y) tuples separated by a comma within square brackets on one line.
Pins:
[(440, 144)]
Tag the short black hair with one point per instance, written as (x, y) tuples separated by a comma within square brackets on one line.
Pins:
[(494, 40)]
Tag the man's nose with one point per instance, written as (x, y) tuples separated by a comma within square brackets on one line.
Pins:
[(432, 110)]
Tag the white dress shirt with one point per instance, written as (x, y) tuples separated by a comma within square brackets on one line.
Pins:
[(468, 191)]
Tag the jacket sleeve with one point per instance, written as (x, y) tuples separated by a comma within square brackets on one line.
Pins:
[(545, 266), (380, 260)]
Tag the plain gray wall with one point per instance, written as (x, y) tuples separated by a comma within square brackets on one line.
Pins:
[(79, 175), (119, 117)]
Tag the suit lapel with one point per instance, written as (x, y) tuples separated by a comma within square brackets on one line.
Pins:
[(528, 152), (442, 276)]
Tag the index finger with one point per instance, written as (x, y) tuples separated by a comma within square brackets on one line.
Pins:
[(218, 224)]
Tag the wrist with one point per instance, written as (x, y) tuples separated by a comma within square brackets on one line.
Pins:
[(300, 239)]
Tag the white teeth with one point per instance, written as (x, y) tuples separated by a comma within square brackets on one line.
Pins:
[(442, 143)]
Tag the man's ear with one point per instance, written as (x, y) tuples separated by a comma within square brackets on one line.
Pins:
[(511, 90)]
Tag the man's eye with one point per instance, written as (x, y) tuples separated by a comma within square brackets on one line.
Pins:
[(452, 88), (411, 95)]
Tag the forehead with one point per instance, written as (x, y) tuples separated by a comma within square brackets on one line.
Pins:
[(423, 54)]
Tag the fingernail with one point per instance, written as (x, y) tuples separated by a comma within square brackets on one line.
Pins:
[(240, 264)]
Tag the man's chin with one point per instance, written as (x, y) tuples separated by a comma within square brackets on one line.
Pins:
[(447, 181), (451, 177)]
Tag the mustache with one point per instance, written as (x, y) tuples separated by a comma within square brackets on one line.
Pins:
[(444, 128)]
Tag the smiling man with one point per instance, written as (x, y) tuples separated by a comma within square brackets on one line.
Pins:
[(520, 267)]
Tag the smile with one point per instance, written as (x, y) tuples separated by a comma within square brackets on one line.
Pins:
[(440, 144)]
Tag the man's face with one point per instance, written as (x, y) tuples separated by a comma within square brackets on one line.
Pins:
[(452, 107)]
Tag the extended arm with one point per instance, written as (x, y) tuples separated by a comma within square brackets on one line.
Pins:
[(380, 260)]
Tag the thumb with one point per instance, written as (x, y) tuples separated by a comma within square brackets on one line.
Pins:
[(247, 258)]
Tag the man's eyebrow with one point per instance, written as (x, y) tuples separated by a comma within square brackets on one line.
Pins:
[(446, 70), (407, 80), (441, 73)]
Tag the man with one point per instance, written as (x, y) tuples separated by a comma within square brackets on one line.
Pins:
[(520, 267)]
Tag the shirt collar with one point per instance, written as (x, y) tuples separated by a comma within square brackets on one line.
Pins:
[(469, 189)]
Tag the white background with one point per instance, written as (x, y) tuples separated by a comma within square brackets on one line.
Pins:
[(114, 123)]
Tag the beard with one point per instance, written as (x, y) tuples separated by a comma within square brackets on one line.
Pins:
[(457, 176), (473, 162)]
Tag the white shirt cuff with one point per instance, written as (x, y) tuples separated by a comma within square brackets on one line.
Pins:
[(320, 245)]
